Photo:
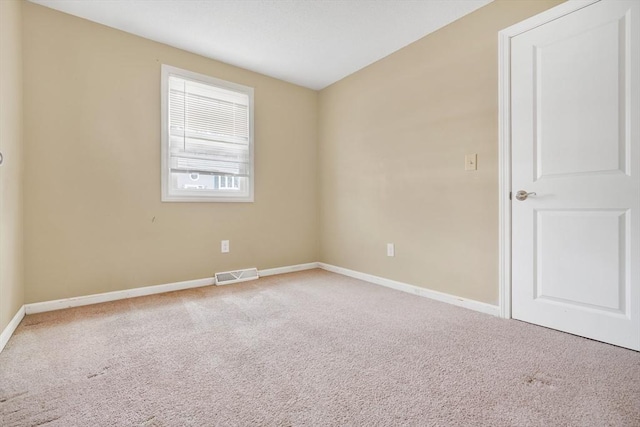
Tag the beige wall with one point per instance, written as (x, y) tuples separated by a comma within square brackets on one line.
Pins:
[(393, 137), (387, 144), (11, 237), (92, 133)]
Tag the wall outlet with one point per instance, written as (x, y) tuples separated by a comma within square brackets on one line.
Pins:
[(391, 249), (224, 246)]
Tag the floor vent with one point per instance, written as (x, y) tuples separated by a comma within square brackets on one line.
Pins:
[(228, 277)]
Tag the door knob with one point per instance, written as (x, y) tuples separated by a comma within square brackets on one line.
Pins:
[(1, 158), (522, 195)]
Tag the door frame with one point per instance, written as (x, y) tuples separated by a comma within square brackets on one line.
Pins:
[(504, 139)]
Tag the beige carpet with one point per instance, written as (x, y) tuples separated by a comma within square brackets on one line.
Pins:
[(310, 348)]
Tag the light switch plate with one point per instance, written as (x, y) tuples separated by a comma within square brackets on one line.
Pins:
[(471, 162)]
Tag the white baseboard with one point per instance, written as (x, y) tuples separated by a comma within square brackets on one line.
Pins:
[(11, 328), (41, 307), (288, 269), (482, 307)]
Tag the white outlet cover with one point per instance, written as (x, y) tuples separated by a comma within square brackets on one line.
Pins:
[(391, 249)]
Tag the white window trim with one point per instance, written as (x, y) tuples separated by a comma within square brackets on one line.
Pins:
[(186, 196)]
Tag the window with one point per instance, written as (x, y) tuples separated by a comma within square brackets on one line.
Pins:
[(207, 138)]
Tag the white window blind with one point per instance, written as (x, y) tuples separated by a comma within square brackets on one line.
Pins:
[(207, 140)]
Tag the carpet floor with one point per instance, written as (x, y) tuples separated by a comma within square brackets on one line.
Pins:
[(306, 349)]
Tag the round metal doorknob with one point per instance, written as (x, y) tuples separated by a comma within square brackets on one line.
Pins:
[(522, 195), (1, 158)]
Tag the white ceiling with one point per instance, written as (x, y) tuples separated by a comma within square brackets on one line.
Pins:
[(312, 43)]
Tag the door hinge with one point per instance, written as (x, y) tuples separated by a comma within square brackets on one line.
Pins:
[(510, 195)]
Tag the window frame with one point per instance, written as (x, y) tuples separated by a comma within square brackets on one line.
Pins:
[(173, 195)]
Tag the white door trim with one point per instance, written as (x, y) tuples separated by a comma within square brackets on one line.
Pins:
[(504, 147)]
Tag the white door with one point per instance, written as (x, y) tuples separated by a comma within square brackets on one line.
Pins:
[(575, 93)]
